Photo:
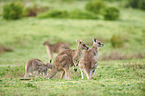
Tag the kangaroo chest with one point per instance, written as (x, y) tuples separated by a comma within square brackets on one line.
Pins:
[(77, 58)]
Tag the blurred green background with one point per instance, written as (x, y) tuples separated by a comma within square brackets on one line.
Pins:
[(119, 24)]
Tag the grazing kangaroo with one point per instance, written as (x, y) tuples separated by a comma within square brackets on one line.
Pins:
[(38, 66), (56, 48), (66, 59), (88, 63)]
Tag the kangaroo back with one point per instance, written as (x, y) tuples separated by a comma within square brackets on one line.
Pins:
[(35, 65), (56, 48)]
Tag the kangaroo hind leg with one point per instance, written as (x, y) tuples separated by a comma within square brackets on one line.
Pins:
[(27, 71), (62, 74), (67, 73)]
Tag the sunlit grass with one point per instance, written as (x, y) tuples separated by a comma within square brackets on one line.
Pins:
[(111, 78), (114, 77)]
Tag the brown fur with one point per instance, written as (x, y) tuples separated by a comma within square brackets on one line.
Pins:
[(55, 48), (66, 59), (88, 63), (36, 65)]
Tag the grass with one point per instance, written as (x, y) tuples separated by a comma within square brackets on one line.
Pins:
[(113, 77)]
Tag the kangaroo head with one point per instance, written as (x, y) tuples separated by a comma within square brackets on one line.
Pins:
[(97, 43), (46, 42), (82, 45), (49, 64)]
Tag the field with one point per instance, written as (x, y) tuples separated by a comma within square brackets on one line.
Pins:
[(113, 77)]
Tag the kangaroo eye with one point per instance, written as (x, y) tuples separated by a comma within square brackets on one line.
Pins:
[(84, 45), (99, 42)]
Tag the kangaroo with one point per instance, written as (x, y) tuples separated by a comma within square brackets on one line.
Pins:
[(38, 66), (88, 62), (66, 59), (56, 48)]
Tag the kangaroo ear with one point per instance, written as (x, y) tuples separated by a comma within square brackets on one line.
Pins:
[(44, 43), (94, 40), (79, 41)]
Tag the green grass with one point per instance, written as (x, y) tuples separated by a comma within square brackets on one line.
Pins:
[(114, 77)]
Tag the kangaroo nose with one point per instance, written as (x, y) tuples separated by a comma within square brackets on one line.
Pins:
[(75, 69)]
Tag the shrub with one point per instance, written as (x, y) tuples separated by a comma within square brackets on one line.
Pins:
[(96, 6), (111, 13), (116, 41), (79, 14), (137, 4), (34, 10), (74, 14), (141, 4), (12, 11), (30, 11), (133, 3), (113, 0), (54, 14)]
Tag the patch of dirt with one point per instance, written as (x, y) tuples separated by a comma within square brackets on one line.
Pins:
[(117, 56), (5, 49)]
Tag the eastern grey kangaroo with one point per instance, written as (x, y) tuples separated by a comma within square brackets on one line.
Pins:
[(38, 66), (55, 48), (66, 59), (88, 63)]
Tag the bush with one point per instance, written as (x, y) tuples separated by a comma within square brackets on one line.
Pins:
[(74, 14), (12, 11), (133, 3), (113, 0), (137, 4), (54, 14), (111, 13), (116, 41), (141, 4), (30, 12), (34, 10), (79, 14), (96, 6)]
